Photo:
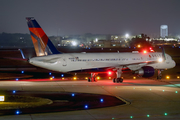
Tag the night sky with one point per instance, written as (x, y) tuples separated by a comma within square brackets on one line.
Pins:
[(68, 17)]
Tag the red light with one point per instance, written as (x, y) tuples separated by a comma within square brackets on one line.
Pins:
[(109, 72), (150, 48), (144, 51)]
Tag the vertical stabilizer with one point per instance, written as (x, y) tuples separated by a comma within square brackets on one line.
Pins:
[(42, 44)]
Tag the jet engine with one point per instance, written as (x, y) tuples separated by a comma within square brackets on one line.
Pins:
[(145, 71)]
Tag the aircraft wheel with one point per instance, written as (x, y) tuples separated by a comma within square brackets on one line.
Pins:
[(89, 79), (158, 77), (118, 80), (114, 80), (121, 80)]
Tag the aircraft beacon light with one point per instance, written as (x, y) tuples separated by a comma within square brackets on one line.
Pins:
[(109, 72), (144, 51)]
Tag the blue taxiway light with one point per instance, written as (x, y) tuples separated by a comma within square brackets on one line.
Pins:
[(14, 91), (17, 79), (86, 106), (53, 77), (22, 72), (17, 112), (101, 100), (73, 94), (62, 75), (50, 73)]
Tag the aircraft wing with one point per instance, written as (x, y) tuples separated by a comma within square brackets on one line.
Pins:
[(136, 66)]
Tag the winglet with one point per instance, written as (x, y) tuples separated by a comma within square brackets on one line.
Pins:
[(42, 44)]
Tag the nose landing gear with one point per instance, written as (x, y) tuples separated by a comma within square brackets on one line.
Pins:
[(118, 73)]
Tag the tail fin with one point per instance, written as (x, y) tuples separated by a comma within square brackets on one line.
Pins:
[(42, 44)]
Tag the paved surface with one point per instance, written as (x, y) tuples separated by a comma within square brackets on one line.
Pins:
[(143, 97)]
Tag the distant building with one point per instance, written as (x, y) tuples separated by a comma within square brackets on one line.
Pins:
[(163, 31)]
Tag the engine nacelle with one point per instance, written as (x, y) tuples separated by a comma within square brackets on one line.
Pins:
[(145, 71)]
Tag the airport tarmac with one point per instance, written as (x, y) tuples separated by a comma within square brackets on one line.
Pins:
[(145, 98)]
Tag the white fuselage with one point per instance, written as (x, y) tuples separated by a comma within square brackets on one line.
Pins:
[(80, 61)]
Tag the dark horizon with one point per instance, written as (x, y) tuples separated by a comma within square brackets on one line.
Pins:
[(62, 17)]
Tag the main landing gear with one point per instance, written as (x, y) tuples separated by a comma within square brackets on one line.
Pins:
[(119, 78), (159, 76), (93, 77)]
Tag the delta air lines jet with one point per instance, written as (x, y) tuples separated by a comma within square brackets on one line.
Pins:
[(48, 57)]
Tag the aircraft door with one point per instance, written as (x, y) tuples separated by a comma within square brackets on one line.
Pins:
[(64, 62)]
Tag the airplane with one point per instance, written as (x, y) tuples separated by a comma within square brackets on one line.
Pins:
[(48, 57)]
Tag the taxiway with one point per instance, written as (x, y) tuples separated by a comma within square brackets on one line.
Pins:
[(145, 98)]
